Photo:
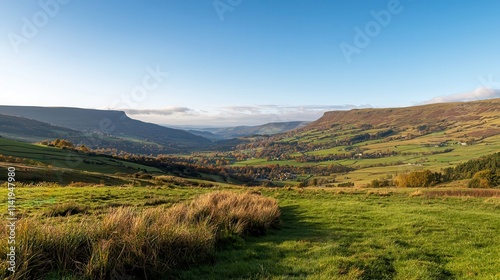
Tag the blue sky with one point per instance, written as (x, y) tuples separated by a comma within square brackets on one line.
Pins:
[(228, 62)]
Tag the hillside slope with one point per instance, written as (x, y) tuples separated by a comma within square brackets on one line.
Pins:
[(32, 131), (37, 163), (449, 113), (108, 122), (384, 142)]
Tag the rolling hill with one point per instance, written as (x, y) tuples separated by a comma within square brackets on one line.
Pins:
[(461, 121), (38, 163), (111, 123), (33, 131), (448, 113), (70, 159), (241, 131)]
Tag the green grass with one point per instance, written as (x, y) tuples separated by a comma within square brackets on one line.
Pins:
[(69, 159), (325, 234), (333, 151), (37, 199), (369, 235), (34, 174)]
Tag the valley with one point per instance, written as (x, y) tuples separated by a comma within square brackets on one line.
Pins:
[(358, 194)]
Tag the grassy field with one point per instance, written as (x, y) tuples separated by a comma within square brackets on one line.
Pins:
[(370, 234), (69, 159), (349, 233)]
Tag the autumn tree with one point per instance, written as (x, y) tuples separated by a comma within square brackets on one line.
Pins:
[(416, 179)]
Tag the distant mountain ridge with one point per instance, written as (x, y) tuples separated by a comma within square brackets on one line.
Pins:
[(108, 122), (241, 131)]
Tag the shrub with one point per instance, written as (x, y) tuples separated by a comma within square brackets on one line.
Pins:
[(382, 183), (474, 183), (425, 178), (482, 179), (346, 184)]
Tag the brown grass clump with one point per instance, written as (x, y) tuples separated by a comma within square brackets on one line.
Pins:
[(65, 209), (80, 184), (145, 243), (464, 193), (241, 214), (379, 193), (155, 201), (416, 193)]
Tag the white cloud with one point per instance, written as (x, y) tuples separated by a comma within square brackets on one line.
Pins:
[(159, 112), (478, 94), (236, 115)]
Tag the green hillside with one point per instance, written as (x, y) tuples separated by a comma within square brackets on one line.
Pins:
[(114, 124), (62, 158), (33, 131), (28, 130)]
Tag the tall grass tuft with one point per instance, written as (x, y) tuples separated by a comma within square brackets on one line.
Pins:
[(242, 214), (144, 243), (464, 193), (65, 209)]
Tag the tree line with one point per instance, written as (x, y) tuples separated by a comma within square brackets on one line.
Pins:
[(484, 172)]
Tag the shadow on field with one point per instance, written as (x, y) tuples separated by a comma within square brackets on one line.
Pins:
[(352, 250), (266, 256), (338, 244), (306, 246)]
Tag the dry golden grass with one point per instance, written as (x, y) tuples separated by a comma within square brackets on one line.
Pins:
[(463, 193), (65, 209), (141, 242), (379, 193), (242, 213), (416, 193)]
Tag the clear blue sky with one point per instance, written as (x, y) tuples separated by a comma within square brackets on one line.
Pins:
[(256, 61)]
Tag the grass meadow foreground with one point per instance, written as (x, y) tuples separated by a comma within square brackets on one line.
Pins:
[(98, 232)]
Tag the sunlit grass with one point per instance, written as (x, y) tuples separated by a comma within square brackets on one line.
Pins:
[(369, 234), (146, 242), (326, 233)]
